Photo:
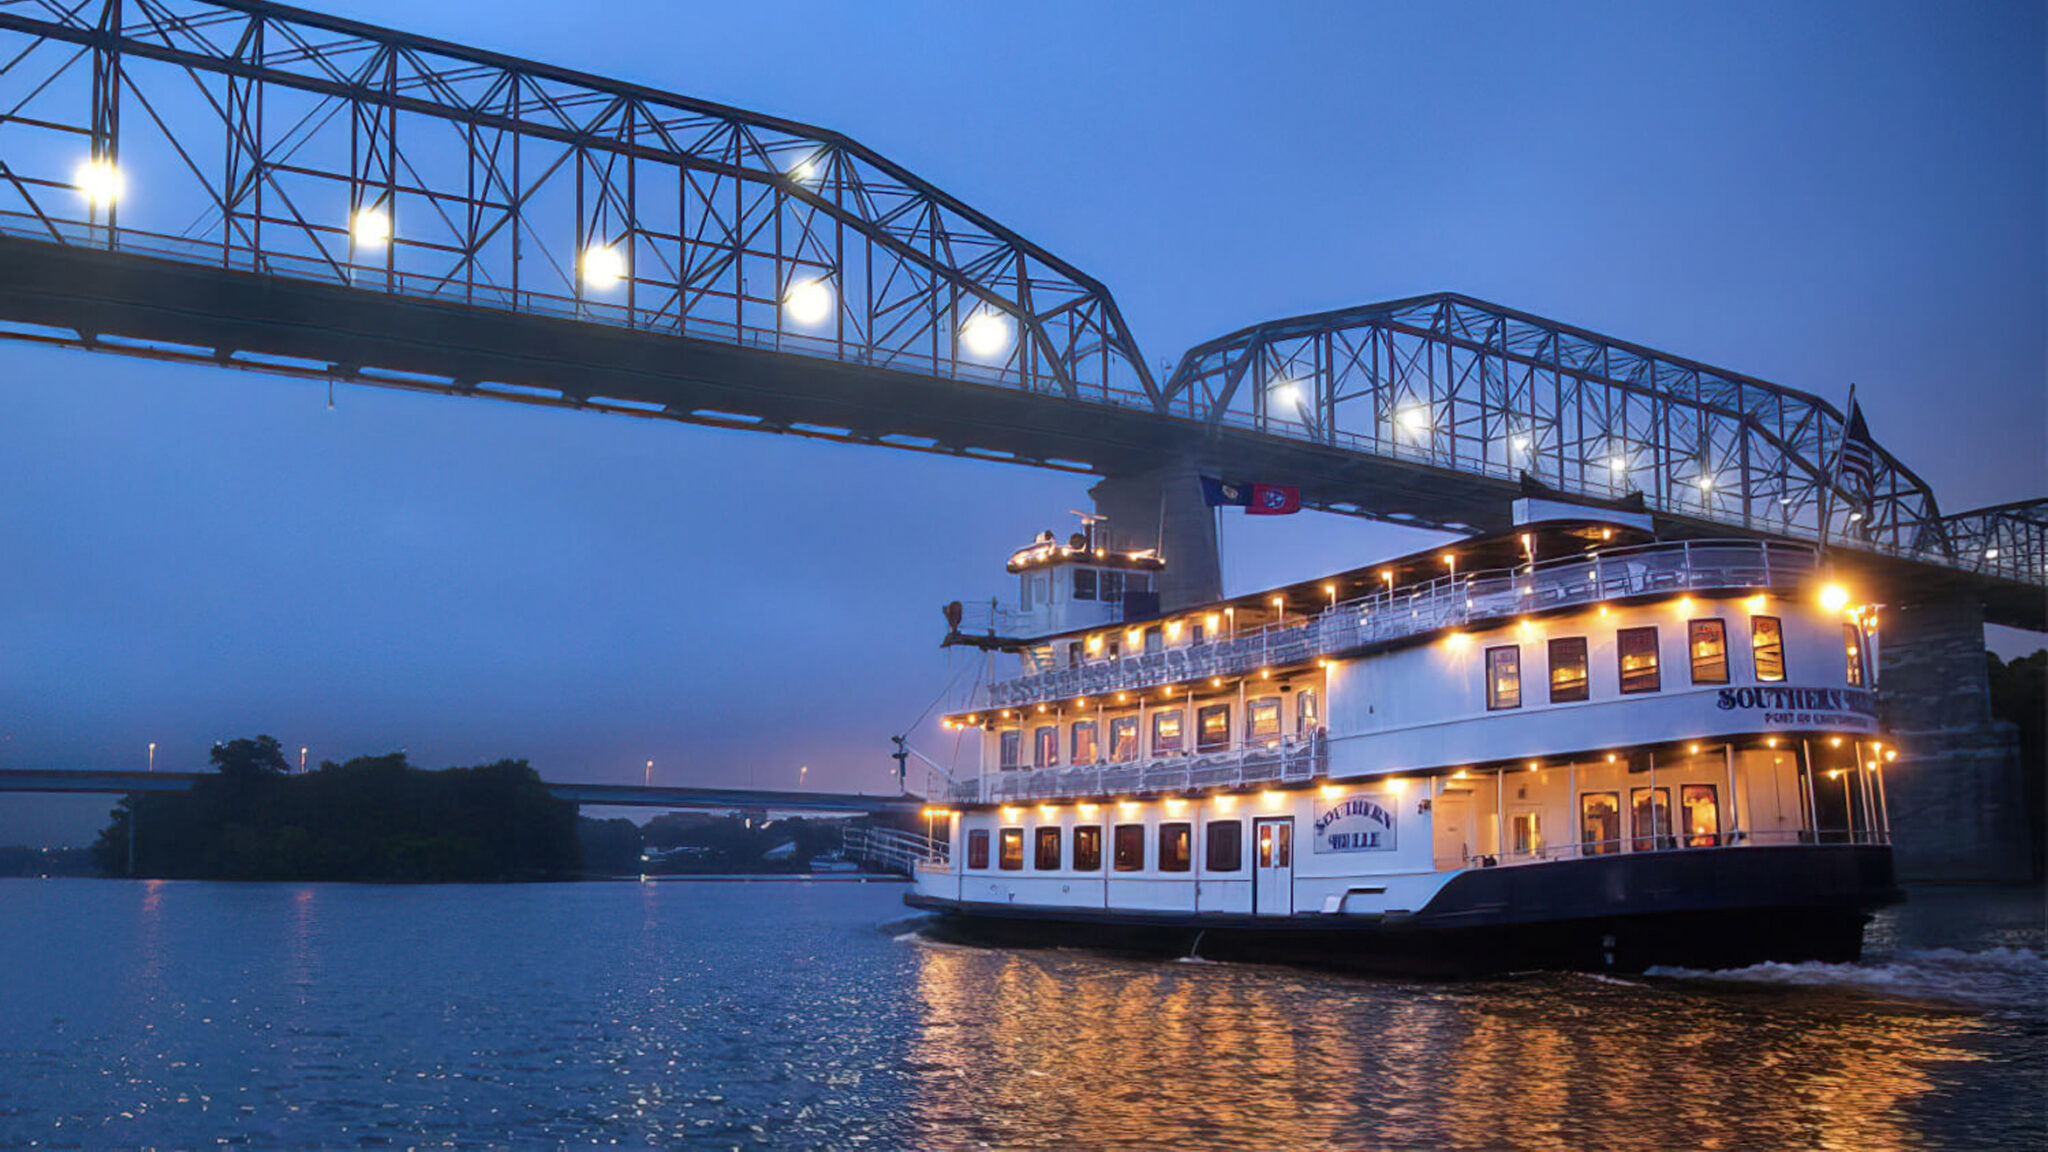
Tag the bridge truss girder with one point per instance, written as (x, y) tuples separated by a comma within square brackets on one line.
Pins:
[(2005, 540), (259, 138)]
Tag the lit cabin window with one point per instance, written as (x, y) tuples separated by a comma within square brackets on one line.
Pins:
[(1046, 850), (1504, 677), (1852, 650), (1638, 650), (1262, 718), (1527, 830), (1306, 715), (1701, 808), (1600, 823), (1045, 746), (1650, 828), (1176, 847), (1569, 680), (1012, 746), (977, 848), (1011, 857), (1166, 735), (1767, 646), (1084, 743), (1084, 583), (1130, 847), (1088, 849), (1123, 738), (1708, 641), (1212, 728), (1226, 846)]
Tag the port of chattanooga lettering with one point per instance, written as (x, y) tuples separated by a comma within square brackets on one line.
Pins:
[(1354, 824)]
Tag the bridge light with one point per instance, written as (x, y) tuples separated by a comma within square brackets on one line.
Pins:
[(1991, 553), (1287, 393), (603, 267), (101, 181), (1834, 597), (1521, 443), (986, 334), (808, 301), (371, 228), (1414, 419), (1618, 464), (805, 171)]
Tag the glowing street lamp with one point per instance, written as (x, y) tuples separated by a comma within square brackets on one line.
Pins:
[(650, 774), (152, 755), (603, 267), (371, 228), (808, 302), (101, 181), (1415, 419), (986, 334)]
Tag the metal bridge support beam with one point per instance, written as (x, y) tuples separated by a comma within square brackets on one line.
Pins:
[(1958, 805), (1164, 509)]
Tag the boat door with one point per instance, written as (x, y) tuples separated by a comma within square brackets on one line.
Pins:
[(1273, 866)]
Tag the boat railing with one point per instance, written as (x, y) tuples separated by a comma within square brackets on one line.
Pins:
[(1267, 762), (1449, 601), (1672, 841), (892, 848)]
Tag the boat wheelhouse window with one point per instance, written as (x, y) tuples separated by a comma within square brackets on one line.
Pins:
[(1650, 819), (1638, 649), (1767, 648), (1045, 746), (1569, 679), (1012, 747), (1504, 677), (1084, 583), (1166, 731), (1708, 641), (1700, 805), (1852, 650), (977, 848), (1226, 846), (1262, 718), (1088, 848), (1155, 639), (1123, 738), (1176, 847), (1084, 749), (1130, 847), (1306, 716), (1010, 853), (1046, 851), (1600, 823), (1212, 728), (1527, 831)]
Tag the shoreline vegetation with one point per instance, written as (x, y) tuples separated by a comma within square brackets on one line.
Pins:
[(379, 819)]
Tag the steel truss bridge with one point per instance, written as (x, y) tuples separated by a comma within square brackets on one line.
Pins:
[(256, 186)]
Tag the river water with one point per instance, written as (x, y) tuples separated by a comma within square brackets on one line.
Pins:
[(811, 1015)]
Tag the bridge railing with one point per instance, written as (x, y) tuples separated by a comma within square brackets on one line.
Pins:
[(1449, 601)]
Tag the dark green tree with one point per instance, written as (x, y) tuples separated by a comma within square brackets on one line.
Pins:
[(249, 758)]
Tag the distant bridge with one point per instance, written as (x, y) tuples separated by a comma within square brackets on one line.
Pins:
[(621, 795)]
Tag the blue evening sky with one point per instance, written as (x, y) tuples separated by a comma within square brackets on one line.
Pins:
[(1814, 193)]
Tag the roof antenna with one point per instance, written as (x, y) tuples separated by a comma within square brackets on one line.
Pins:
[(330, 393)]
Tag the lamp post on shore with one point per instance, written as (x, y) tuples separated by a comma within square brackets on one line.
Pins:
[(152, 755)]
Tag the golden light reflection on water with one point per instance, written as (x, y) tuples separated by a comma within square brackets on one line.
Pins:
[(1015, 1046)]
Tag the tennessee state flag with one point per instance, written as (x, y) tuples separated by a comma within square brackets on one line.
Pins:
[(1274, 500)]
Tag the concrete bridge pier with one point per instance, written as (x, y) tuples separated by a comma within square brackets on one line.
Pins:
[(1957, 801), (1164, 509)]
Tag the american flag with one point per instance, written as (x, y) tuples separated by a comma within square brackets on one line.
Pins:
[(1856, 462)]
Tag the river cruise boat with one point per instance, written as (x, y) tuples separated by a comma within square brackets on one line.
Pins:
[(1570, 746)]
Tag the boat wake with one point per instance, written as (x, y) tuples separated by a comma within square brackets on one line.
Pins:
[(2001, 978)]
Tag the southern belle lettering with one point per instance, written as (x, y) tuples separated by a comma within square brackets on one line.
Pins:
[(1824, 707), (1354, 824)]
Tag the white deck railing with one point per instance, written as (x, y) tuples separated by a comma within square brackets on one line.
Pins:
[(1277, 762)]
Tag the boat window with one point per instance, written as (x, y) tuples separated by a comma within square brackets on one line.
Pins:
[(1024, 591), (1568, 677), (1130, 847), (1262, 717), (1084, 583), (1013, 745), (1155, 639), (1600, 823), (1176, 847), (1196, 634), (977, 848), (1123, 738), (1702, 810), (1638, 648), (1276, 844), (1649, 825), (1306, 715), (1212, 732), (1527, 830), (1504, 677), (1166, 731), (1110, 586), (1046, 854), (1226, 846), (1708, 640), (1088, 849), (1045, 746), (1767, 647), (1852, 649), (1011, 853), (1084, 743)]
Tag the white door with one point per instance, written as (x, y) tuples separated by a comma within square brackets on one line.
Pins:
[(1452, 816), (1273, 866)]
